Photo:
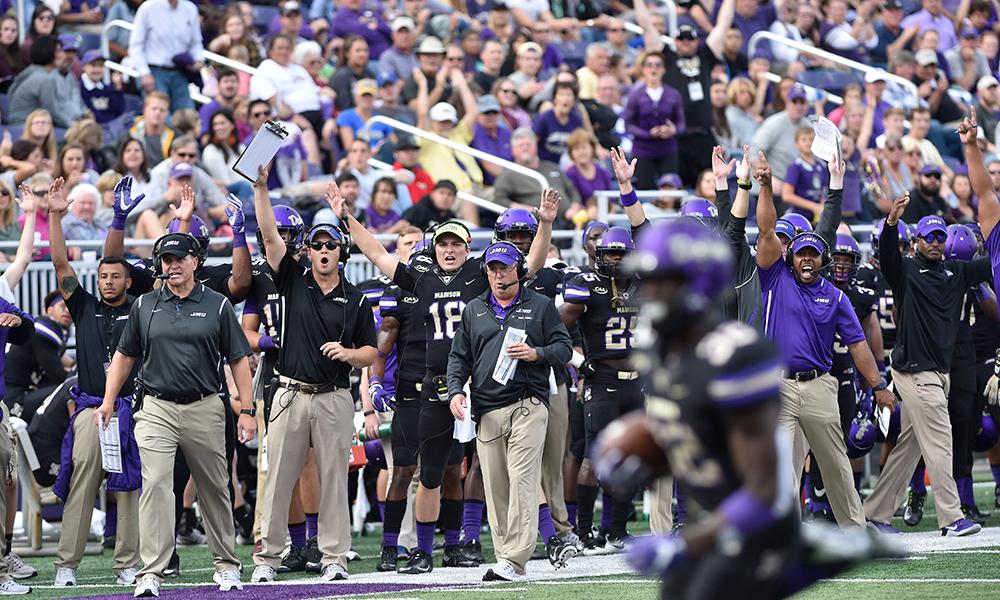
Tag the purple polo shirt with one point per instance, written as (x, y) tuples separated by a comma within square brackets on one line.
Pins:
[(802, 319), (496, 146), (502, 311), (367, 24), (809, 180)]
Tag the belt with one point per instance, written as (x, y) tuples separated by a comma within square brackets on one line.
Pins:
[(803, 375), (182, 399), (305, 388)]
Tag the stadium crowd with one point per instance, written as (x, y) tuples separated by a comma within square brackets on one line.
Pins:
[(721, 281)]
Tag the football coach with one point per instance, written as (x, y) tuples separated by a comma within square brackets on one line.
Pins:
[(510, 406)]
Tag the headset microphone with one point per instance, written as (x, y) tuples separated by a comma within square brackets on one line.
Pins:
[(505, 286), (162, 276)]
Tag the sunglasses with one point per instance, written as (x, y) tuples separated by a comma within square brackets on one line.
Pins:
[(933, 175), (456, 58), (616, 30), (40, 192), (331, 246), (930, 238), (186, 155), (653, 65)]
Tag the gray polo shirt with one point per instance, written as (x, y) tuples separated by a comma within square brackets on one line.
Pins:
[(181, 341)]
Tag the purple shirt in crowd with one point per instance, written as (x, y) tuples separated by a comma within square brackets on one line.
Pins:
[(380, 222), (852, 184), (809, 180), (496, 146), (642, 114), (805, 317), (587, 187), (552, 134), (367, 24)]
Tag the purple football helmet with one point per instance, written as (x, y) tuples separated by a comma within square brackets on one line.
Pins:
[(861, 436), (894, 427), (375, 454), (701, 209), (986, 436), (691, 252), (515, 219), (291, 228), (199, 230), (590, 227), (846, 245), (615, 239), (783, 227), (799, 222), (901, 227), (961, 243)]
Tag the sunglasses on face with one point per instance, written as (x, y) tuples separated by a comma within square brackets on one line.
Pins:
[(331, 246), (186, 155), (653, 65), (930, 238), (616, 30), (933, 175), (40, 192)]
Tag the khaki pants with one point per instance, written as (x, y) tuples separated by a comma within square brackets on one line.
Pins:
[(812, 405), (83, 486), (924, 429), (198, 429), (326, 420), (261, 467), (510, 442), (552, 460), (661, 517)]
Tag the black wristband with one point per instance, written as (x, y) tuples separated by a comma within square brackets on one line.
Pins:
[(249, 411), (369, 413)]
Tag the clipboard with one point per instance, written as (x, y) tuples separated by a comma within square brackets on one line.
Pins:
[(261, 150)]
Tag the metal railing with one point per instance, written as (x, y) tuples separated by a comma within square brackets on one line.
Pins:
[(209, 55), (834, 98), (774, 38), (465, 196), (437, 139), (604, 197)]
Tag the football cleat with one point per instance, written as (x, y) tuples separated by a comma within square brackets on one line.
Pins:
[(914, 511), (420, 562)]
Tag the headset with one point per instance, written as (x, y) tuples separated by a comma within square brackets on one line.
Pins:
[(158, 265), (506, 248), (433, 229), (338, 236), (825, 257)]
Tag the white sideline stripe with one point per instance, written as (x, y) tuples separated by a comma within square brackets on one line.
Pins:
[(911, 580)]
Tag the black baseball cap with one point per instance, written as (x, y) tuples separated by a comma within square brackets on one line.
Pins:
[(892, 5), (446, 184), (686, 32), (177, 244), (407, 142)]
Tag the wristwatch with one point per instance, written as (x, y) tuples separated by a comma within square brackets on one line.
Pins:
[(249, 411), (881, 385)]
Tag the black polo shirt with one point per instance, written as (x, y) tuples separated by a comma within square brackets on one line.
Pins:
[(313, 318), (181, 341), (99, 328), (215, 278)]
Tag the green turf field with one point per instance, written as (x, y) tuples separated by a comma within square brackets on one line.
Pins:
[(955, 573)]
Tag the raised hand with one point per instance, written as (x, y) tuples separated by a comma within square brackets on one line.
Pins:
[(968, 129), (837, 168), (624, 170), (28, 201), (124, 203), (336, 201), (721, 168), (234, 210), (898, 206), (186, 210), (262, 175), (548, 205), (57, 200), (763, 173), (742, 169)]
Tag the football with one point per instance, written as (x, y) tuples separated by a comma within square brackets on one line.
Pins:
[(631, 435)]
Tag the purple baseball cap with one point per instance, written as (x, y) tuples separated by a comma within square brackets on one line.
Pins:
[(69, 42), (931, 224), (91, 56), (502, 252), (796, 93), (808, 240), (670, 179), (930, 169), (181, 169)]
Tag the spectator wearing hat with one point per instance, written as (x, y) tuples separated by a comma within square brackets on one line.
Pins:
[(772, 137), (689, 71), (352, 18), (104, 98), (351, 121), (436, 207), (400, 59), (926, 198), (988, 105), (932, 87), (654, 118), (430, 56), (389, 104), (889, 31), (291, 23), (163, 32), (966, 62), (932, 16), (531, 88), (352, 65), (490, 137), (407, 156), (491, 58)]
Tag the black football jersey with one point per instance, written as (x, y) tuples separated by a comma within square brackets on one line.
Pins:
[(730, 369), (401, 305), (864, 301), (871, 278), (608, 323), (374, 288), (547, 282), (441, 298), (985, 330)]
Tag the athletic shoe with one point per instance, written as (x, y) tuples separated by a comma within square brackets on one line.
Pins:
[(17, 568), (148, 587), (538, 553), (187, 531), (294, 561), (313, 556), (65, 577), (571, 538), (351, 555), (975, 515), (452, 556), (126, 577), (228, 580), (996, 497), (173, 567), (914, 511), (334, 572), (472, 554), (559, 552), (504, 571), (9, 587), (243, 519), (263, 574), (882, 527), (823, 543), (388, 560), (615, 545), (961, 527), (595, 545), (420, 562)]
